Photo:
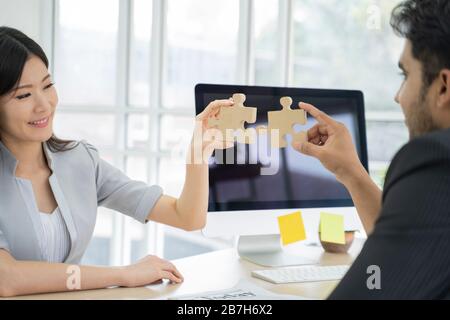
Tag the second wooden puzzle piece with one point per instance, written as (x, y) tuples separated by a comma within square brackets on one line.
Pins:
[(284, 122), (232, 119)]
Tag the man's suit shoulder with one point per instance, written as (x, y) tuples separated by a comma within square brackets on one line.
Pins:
[(428, 150)]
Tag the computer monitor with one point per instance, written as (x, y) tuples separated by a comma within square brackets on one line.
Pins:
[(250, 185)]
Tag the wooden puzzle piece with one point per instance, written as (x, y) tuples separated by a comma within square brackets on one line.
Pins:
[(231, 120), (296, 136), (301, 136), (284, 122)]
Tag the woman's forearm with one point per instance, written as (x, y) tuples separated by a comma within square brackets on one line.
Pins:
[(30, 277), (192, 205)]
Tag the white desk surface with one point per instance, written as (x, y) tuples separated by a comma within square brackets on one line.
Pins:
[(221, 270)]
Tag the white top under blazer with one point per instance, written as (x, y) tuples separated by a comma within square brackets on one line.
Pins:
[(55, 239)]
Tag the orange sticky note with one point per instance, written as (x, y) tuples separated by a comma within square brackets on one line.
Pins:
[(291, 227), (332, 228)]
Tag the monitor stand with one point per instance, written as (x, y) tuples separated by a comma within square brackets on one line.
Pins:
[(266, 251)]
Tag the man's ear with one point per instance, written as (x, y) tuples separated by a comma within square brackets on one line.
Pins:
[(443, 100)]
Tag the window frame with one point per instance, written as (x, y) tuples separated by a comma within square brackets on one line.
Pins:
[(154, 233)]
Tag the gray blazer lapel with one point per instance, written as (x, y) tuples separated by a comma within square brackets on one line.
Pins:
[(66, 213), (62, 203)]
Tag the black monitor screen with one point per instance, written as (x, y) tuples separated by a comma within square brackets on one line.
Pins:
[(256, 176)]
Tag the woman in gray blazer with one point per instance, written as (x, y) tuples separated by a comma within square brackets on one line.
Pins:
[(50, 188)]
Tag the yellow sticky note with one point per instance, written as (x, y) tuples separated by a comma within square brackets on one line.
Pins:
[(332, 228), (291, 227)]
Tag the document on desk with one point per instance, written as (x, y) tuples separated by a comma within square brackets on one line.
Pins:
[(244, 290)]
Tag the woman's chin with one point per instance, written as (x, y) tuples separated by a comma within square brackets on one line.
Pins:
[(41, 136)]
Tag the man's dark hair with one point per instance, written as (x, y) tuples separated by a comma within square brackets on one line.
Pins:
[(426, 24)]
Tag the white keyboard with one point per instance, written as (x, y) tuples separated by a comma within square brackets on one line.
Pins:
[(301, 274)]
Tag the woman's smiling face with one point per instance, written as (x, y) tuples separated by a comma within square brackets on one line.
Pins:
[(26, 113)]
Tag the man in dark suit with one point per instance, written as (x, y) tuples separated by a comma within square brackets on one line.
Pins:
[(407, 253)]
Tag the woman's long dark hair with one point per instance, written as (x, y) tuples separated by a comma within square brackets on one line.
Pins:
[(15, 49)]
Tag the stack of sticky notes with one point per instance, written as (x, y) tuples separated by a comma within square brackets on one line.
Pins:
[(292, 228), (331, 228)]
